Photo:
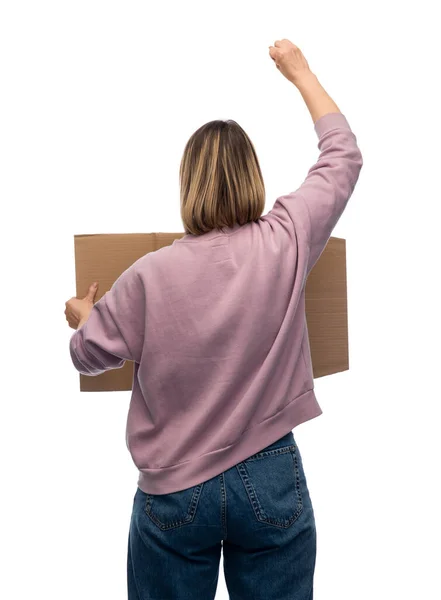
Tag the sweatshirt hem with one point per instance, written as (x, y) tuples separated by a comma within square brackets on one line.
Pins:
[(202, 468)]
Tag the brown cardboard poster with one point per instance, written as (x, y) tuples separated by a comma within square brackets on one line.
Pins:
[(103, 257)]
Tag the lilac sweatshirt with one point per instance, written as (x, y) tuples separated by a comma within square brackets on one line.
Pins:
[(216, 327)]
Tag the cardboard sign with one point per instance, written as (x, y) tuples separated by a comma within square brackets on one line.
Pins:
[(103, 257)]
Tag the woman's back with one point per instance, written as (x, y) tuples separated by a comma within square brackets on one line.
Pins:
[(216, 327)]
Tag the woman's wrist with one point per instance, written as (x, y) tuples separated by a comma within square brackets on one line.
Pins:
[(82, 321), (305, 80), (317, 100)]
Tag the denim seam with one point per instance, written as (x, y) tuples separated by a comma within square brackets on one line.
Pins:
[(223, 505), (249, 488)]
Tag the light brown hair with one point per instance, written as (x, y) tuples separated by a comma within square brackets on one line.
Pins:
[(221, 183)]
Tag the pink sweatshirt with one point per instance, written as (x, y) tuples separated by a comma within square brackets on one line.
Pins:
[(216, 327)]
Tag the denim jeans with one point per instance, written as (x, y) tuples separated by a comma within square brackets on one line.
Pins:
[(258, 513)]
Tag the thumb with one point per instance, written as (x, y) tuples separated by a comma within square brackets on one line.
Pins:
[(92, 292)]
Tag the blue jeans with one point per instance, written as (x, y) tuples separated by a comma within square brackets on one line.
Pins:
[(258, 511)]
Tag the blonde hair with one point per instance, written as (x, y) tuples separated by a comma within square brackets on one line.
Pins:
[(221, 183)]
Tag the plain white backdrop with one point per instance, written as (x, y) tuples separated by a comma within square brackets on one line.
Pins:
[(97, 102)]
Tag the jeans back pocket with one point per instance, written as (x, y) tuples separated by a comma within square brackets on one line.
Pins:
[(272, 481), (175, 509)]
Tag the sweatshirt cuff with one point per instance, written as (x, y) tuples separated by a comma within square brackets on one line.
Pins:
[(329, 122)]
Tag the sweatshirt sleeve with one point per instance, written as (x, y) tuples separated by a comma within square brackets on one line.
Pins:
[(114, 331), (317, 205)]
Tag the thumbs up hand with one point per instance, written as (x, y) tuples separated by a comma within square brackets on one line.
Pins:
[(78, 309)]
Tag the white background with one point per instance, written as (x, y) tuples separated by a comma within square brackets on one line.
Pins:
[(97, 102)]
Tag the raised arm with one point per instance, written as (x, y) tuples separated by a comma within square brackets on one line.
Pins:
[(317, 205)]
